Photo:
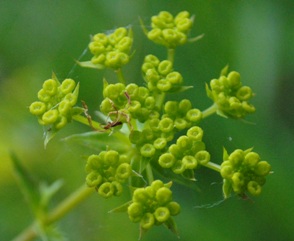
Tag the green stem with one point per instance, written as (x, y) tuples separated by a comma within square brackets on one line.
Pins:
[(149, 174), (213, 166), (85, 121), (120, 76), (60, 211), (171, 55), (209, 111)]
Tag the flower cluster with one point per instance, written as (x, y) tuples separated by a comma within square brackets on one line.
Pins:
[(131, 100), (153, 205), (55, 107), (170, 31), (159, 75), (111, 51), (244, 172), (186, 153), (107, 171), (230, 96)]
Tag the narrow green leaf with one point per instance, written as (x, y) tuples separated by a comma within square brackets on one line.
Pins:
[(48, 191), (171, 225), (99, 140), (89, 64), (122, 208), (49, 136), (208, 91), (27, 184), (224, 71)]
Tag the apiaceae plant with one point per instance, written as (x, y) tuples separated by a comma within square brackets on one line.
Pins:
[(153, 138)]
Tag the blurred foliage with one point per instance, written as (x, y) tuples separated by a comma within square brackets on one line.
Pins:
[(253, 37)]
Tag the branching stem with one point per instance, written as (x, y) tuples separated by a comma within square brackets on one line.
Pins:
[(209, 111), (56, 214)]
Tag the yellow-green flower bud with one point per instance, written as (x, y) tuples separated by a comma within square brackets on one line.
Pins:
[(184, 24), (155, 185), (140, 195), (71, 98), (93, 179), (124, 45), (60, 123), (202, 157), (50, 117), (160, 143), (147, 150), (43, 96), (178, 167), (135, 212), (147, 221), (152, 59), (234, 80), (251, 159), (180, 123), (195, 133), (253, 188), (165, 67), (189, 162), (236, 158), (50, 86), (163, 85), (166, 125), (166, 160), (106, 190), (117, 188), (162, 214), (149, 102), (67, 86), (123, 171), (184, 106), (101, 38), (171, 108), (37, 108), (244, 93), (262, 168), (64, 107), (94, 162), (194, 115), (174, 208), (184, 143), (111, 158), (227, 171)]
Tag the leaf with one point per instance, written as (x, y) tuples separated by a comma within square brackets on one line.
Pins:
[(27, 184), (89, 64), (48, 191), (145, 30), (208, 91), (122, 208), (225, 154), (179, 89), (171, 225), (194, 39), (48, 134), (224, 71), (99, 140)]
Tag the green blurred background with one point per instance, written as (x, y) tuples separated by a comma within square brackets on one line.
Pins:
[(254, 37)]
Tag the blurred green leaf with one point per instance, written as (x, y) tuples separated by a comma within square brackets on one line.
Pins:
[(100, 140), (27, 184)]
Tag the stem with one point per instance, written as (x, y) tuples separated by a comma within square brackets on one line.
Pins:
[(209, 111), (213, 166), (149, 174), (85, 121), (171, 55), (60, 211), (120, 76)]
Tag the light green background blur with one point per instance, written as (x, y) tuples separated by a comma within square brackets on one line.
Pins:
[(256, 38)]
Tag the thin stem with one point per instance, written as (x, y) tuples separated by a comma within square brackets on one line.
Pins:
[(213, 166), (149, 174), (209, 111), (120, 76), (171, 55), (60, 211)]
